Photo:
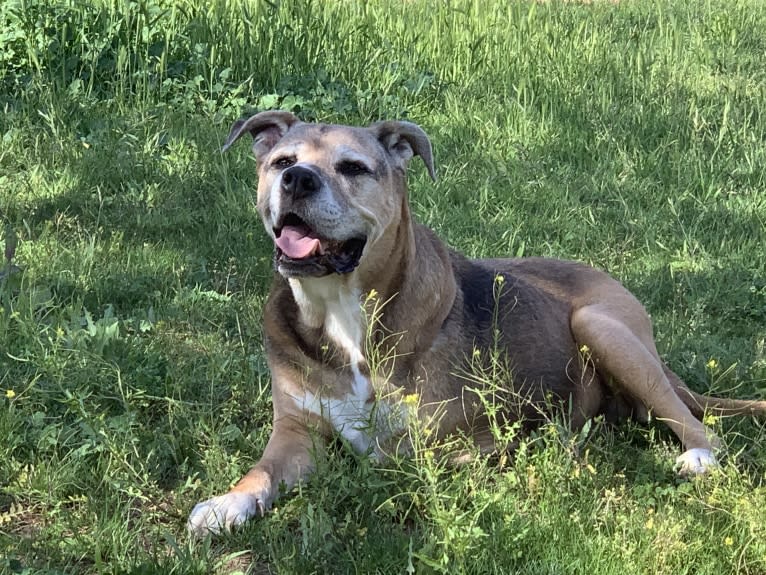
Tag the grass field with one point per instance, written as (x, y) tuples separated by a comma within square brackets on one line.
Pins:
[(132, 378)]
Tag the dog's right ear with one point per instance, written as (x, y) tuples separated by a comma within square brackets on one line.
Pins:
[(266, 128)]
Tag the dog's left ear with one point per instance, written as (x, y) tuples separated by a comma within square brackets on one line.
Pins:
[(403, 140)]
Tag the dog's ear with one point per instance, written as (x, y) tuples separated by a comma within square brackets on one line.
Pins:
[(403, 140), (266, 128)]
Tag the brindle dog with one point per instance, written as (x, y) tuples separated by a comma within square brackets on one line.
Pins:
[(334, 201)]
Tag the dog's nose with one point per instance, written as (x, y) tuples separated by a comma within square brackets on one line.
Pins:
[(299, 182)]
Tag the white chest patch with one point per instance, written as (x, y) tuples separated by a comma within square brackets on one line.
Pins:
[(352, 416), (357, 416)]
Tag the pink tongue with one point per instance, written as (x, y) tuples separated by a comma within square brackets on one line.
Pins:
[(297, 243)]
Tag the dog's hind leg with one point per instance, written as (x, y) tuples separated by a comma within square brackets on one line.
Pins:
[(619, 336)]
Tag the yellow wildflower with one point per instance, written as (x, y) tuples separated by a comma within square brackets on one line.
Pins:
[(411, 399), (10, 394)]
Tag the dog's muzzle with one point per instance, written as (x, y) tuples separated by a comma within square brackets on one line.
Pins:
[(300, 249), (299, 182), (301, 252)]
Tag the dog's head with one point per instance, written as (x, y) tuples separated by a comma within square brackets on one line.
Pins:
[(328, 193)]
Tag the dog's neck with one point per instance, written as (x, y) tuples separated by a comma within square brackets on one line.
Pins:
[(317, 298), (410, 280)]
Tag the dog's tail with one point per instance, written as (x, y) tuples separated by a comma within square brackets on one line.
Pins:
[(700, 404)]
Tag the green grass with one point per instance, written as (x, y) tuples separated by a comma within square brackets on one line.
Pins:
[(132, 376)]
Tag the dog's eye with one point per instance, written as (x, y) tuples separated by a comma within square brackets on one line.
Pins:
[(351, 168), (283, 162)]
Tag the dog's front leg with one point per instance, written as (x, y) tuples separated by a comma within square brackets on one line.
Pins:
[(288, 457)]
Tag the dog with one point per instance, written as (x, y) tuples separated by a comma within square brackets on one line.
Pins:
[(369, 309)]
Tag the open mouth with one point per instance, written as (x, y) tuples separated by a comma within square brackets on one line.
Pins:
[(301, 251)]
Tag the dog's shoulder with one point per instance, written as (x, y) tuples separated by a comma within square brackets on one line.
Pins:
[(286, 337)]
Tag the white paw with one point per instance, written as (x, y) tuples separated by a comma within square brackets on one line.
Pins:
[(223, 513), (697, 461)]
